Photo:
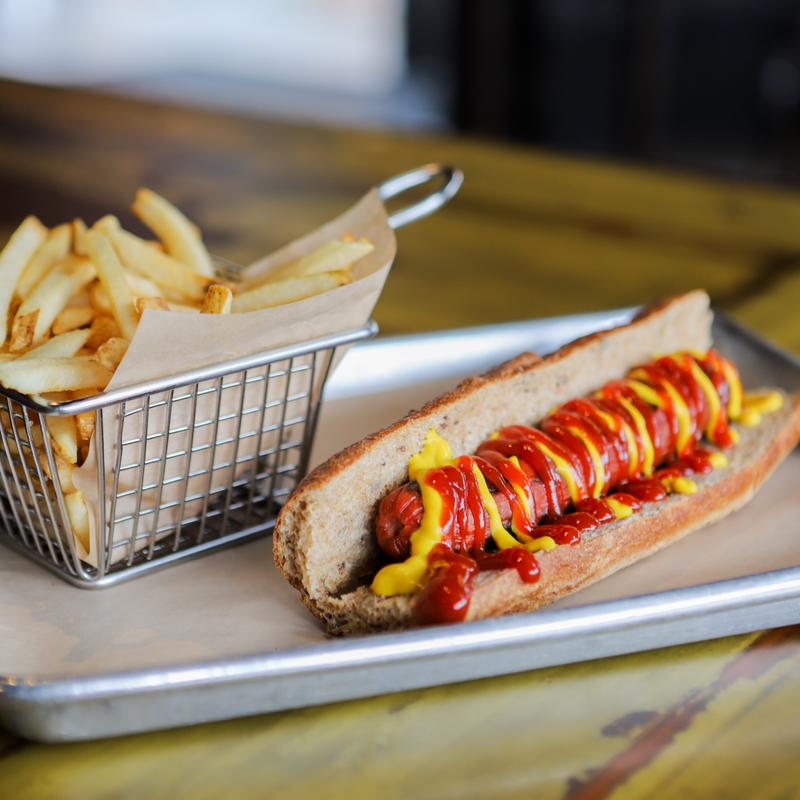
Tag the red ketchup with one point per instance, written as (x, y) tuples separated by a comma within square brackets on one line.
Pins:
[(448, 590)]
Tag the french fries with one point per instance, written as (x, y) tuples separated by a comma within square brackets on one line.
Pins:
[(278, 293), (64, 345), (52, 250), (79, 237), (111, 352), (103, 328), (22, 245), (155, 303), (39, 375), (72, 297), (181, 238), (78, 513), (174, 277), (49, 298), (112, 277), (64, 436), (64, 472), (329, 257), (218, 300), (85, 422), (142, 287), (73, 317)]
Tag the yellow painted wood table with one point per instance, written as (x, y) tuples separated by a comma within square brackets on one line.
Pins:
[(532, 234)]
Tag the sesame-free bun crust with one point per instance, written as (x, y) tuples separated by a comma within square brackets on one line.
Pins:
[(324, 542)]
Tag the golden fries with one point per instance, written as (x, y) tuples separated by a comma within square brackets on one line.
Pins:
[(51, 296), (23, 330), (290, 290), (78, 513), (79, 237), (71, 299), (64, 436), (73, 317), (103, 328), (181, 238), (52, 250), (329, 257), (64, 345), (85, 423), (39, 375), (98, 299), (112, 277), (64, 472), (174, 277), (218, 300), (24, 242), (111, 352), (155, 303)]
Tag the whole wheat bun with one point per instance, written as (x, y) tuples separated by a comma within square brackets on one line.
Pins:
[(324, 542)]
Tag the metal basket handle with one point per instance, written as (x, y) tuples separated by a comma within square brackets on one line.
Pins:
[(397, 185)]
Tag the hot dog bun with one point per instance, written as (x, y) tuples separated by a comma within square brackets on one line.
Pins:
[(324, 542)]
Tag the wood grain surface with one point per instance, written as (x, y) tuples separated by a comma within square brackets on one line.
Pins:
[(532, 234)]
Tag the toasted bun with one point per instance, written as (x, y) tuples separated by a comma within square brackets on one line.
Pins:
[(324, 543)]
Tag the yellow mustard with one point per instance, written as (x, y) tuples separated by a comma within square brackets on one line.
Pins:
[(754, 405), (599, 470), (408, 576)]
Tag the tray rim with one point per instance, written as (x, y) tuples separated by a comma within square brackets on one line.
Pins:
[(20, 695), (466, 637)]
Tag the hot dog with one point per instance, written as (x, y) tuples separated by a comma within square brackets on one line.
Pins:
[(596, 435), (580, 463)]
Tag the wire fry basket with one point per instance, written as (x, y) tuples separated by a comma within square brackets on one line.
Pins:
[(198, 461)]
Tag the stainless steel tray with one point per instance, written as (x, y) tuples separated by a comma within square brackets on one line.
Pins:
[(163, 652)]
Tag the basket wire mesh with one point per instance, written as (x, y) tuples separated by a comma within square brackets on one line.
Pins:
[(195, 466)]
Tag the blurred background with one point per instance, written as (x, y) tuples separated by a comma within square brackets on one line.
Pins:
[(712, 85)]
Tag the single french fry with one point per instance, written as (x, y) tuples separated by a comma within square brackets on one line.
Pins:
[(73, 317), (64, 345), (112, 276), (23, 330), (14, 257), (38, 375), (102, 329), (7, 356), (78, 513), (53, 293), (150, 262), (85, 422), (99, 299), (78, 237), (289, 290), (80, 299), (154, 303), (218, 300), (64, 435), (329, 257), (142, 287), (111, 352), (180, 237), (64, 471), (54, 249)]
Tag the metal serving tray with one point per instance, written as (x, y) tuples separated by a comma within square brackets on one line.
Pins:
[(225, 636)]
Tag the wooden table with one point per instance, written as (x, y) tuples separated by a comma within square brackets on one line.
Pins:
[(532, 234)]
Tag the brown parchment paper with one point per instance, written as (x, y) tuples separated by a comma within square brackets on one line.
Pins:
[(169, 342)]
